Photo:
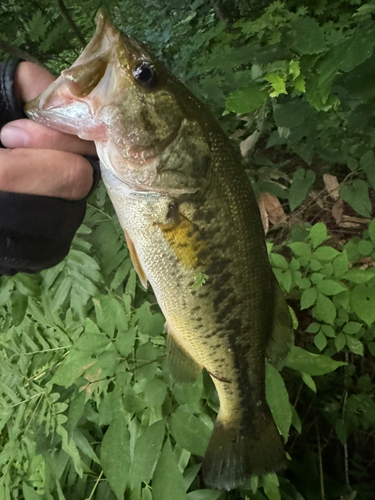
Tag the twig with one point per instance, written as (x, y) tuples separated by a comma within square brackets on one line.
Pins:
[(160, 358), (22, 54), (65, 13), (95, 486), (298, 395), (346, 456), (321, 477)]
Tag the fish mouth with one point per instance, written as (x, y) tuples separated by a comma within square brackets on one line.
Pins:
[(69, 103)]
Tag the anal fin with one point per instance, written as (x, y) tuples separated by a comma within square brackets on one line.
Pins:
[(183, 367), (134, 257), (281, 339)]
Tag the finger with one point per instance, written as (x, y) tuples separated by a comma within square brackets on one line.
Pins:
[(45, 172), (27, 134), (30, 80)]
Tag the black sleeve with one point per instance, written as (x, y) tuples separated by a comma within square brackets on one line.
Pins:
[(35, 231)]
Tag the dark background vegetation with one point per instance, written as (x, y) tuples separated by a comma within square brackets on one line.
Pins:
[(88, 409)]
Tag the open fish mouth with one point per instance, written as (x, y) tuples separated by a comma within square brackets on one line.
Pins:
[(71, 103)]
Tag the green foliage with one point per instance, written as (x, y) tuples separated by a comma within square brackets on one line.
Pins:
[(89, 409)]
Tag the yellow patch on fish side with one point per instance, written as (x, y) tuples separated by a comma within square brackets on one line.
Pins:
[(185, 241)]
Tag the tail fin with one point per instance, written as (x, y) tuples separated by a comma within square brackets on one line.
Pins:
[(236, 453)]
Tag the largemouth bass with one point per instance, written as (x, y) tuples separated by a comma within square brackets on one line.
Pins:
[(194, 232)]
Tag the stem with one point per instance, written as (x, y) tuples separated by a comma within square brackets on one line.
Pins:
[(22, 54), (65, 13), (95, 486), (346, 456), (160, 358), (321, 477)]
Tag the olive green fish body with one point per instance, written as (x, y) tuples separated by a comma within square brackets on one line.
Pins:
[(194, 232)]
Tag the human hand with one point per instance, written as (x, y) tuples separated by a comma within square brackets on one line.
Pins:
[(40, 160)]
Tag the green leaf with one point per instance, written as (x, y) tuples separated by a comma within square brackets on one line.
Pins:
[(308, 297), (125, 341), (312, 364), (309, 381), (355, 345), (146, 453), (340, 265), (325, 254), (357, 197), (325, 309), (19, 306), (154, 392), (115, 455), (371, 231), (190, 432), (278, 400), (189, 394), (344, 56), (29, 493), (362, 300), (131, 284), (278, 260), (121, 273), (313, 328), (358, 275), (301, 183), (365, 247), (110, 314), (83, 444), (150, 324), (307, 36), (168, 483), (300, 249), (271, 486), (278, 82), (367, 163), (340, 341), (318, 234), (330, 287), (204, 495), (133, 402), (371, 347), (320, 341), (62, 293), (246, 100), (285, 279), (328, 331), (352, 327)]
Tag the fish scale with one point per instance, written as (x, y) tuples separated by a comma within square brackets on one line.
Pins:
[(194, 232)]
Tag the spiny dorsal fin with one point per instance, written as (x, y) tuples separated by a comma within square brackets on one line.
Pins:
[(282, 336), (183, 367), (135, 260)]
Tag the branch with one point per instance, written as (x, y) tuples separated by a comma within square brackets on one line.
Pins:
[(65, 13), (17, 52)]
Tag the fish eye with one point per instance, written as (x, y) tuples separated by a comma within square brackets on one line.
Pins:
[(145, 74)]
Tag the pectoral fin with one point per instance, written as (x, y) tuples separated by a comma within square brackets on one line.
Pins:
[(135, 260), (183, 367)]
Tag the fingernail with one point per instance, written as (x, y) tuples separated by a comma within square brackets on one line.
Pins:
[(12, 136)]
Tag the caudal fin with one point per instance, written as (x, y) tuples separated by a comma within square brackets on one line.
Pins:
[(236, 453)]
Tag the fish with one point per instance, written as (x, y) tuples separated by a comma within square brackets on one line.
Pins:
[(194, 232)]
